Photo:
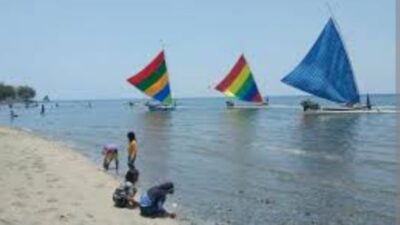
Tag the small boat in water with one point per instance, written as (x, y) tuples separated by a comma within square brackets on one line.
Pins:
[(153, 80), (240, 84), (326, 72)]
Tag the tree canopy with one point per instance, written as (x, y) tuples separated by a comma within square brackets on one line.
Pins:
[(25, 93), (11, 93)]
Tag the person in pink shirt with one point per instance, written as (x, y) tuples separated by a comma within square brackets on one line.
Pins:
[(110, 152)]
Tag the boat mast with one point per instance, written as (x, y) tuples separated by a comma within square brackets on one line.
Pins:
[(337, 26), (166, 66)]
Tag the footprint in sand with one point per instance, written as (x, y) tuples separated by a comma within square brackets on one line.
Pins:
[(18, 204), (52, 200), (76, 203), (28, 176), (47, 210), (22, 167), (5, 222), (22, 195), (66, 217), (101, 185), (53, 180)]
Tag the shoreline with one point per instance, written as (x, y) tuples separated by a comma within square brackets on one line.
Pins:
[(45, 182)]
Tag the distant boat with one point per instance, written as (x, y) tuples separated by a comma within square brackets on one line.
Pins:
[(240, 84), (326, 72), (153, 81), (46, 98)]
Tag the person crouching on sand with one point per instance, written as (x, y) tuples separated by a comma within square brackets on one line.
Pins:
[(152, 201), (123, 196), (110, 152)]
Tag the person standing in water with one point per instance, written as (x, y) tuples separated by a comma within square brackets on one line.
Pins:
[(133, 174), (132, 148), (42, 110), (110, 152)]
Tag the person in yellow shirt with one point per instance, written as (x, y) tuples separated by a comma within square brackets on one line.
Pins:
[(133, 174), (132, 147)]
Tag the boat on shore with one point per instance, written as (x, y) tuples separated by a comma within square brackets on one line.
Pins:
[(326, 72), (153, 81), (240, 84)]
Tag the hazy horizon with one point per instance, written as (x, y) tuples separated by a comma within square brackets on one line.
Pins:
[(87, 49)]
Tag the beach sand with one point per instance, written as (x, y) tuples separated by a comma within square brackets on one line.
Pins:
[(44, 182)]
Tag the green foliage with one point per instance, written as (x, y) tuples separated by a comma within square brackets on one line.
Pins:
[(25, 93), (7, 92), (11, 93)]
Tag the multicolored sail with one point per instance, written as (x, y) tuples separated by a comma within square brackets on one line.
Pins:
[(326, 70), (153, 80), (240, 83)]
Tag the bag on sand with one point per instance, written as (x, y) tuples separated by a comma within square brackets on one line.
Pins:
[(120, 198)]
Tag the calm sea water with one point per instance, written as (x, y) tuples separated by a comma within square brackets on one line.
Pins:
[(273, 166)]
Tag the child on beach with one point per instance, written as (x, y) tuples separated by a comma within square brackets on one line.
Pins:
[(110, 152), (132, 175), (124, 196), (151, 202)]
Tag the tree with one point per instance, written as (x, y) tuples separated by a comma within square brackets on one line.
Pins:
[(7, 92), (26, 93)]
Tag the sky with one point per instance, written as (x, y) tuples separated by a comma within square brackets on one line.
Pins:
[(86, 49)]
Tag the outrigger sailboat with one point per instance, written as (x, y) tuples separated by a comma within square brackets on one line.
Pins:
[(153, 81), (239, 83), (326, 72)]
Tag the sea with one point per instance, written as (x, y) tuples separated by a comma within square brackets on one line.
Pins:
[(266, 166)]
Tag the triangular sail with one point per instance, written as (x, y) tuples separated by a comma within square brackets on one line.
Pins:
[(240, 83), (326, 71), (153, 80)]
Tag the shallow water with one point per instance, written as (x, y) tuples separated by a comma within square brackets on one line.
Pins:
[(274, 166)]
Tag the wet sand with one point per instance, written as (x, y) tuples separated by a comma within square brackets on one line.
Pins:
[(44, 182)]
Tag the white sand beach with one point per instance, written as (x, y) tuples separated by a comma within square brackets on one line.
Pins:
[(44, 182)]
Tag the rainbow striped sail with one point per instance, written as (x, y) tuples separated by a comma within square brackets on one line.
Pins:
[(240, 83), (153, 80)]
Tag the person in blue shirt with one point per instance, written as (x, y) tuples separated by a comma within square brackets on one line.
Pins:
[(152, 201)]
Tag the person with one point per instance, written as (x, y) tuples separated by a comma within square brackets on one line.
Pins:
[(132, 149), (13, 115), (152, 201), (229, 104), (132, 175), (110, 152), (42, 110), (123, 196)]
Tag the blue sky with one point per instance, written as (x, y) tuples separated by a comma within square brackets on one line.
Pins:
[(85, 49)]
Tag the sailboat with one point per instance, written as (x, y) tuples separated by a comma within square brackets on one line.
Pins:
[(240, 84), (326, 72), (153, 80)]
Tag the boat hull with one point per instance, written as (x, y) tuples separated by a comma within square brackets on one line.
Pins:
[(343, 110), (247, 107), (164, 108)]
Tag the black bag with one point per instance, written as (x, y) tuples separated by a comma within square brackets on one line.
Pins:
[(132, 175), (120, 198)]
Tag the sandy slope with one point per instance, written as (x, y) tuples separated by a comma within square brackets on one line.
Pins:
[(43, 182)]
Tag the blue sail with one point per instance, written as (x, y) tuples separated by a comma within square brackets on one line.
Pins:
[(326, 71)]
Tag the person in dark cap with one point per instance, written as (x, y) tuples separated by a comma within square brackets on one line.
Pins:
[(152, 201)]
